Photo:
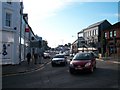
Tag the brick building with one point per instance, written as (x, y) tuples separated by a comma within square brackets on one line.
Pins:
[(110, 40)]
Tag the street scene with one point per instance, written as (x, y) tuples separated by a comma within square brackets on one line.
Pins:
[(105, 76), (59, 44)]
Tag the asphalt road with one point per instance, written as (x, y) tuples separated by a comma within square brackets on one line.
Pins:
[(105, 76)]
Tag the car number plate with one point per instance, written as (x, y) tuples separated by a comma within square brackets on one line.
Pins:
[(58, 62), (79, 67)]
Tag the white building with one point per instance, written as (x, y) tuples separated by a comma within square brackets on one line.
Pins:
[(9, 32), (92, 34)]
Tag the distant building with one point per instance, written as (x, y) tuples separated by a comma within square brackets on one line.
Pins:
[(9, 32), (74, 47), (111, 40), (92, 33)]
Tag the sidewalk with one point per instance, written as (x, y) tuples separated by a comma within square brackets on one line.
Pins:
[(22, 68), (110, 59)]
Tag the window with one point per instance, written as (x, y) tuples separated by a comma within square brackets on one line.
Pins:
[(93, 32), (90, 33), (86, 34), (114, 33), (105, 35), (111, 34), (8, 19), (96, 31)]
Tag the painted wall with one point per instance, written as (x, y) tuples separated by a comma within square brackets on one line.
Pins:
[(10, 35)]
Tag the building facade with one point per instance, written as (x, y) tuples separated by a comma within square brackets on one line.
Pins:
[(16, 35), (92, 34), (9, 30), (111, 40)]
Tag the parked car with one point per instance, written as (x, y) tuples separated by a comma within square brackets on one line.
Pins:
[(46, 55), (59, 59), (83, 62)]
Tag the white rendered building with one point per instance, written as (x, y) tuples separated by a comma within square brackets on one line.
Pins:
[(9, 32)]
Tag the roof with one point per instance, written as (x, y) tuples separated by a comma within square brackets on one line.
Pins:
[(95, 24), (113, 26), (116, 24)]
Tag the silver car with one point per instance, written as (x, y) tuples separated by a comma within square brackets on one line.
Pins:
[(59, 59)]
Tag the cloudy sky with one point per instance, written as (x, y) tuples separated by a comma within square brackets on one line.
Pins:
[(59, 21)]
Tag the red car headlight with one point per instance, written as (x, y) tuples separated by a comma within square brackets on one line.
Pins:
[(87, 64)]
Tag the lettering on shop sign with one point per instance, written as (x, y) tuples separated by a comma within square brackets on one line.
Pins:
[(4, 51)]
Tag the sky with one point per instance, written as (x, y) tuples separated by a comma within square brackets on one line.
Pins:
[(59, 21)]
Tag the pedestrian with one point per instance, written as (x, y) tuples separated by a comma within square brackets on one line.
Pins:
[(28, 57), (40, 57), (35, 58)]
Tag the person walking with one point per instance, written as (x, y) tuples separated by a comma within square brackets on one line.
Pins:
[(41, 55), (28, 57), (35, 58)]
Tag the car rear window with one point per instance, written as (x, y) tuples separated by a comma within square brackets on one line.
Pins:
[(82, 56)]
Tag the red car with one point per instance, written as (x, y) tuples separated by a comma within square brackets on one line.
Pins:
[(83, 62)]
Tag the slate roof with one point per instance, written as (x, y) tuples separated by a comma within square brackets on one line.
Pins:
[(95, 24)]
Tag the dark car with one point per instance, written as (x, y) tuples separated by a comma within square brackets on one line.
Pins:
[(83, 62), (59, 59)]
